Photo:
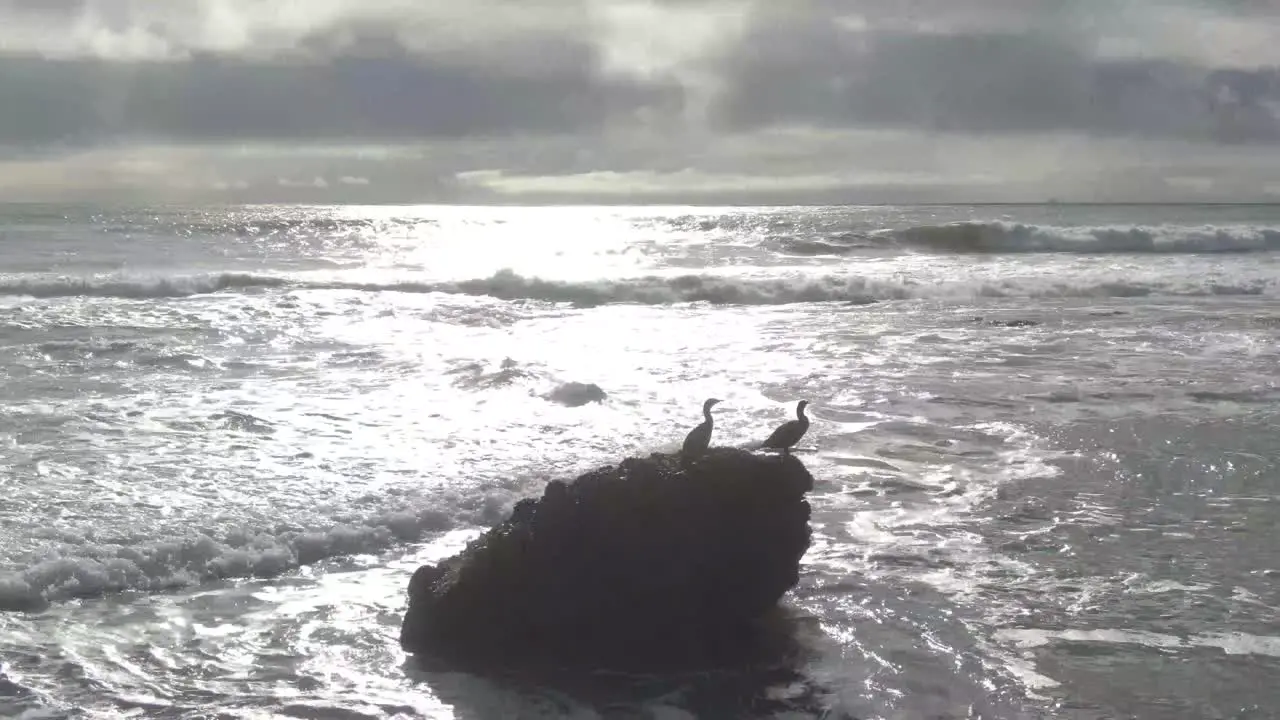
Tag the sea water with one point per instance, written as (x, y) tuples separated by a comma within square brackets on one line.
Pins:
[(1044, 441)]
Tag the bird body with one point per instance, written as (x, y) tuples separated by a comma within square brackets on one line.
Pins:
[(699, 438), (789, 433)]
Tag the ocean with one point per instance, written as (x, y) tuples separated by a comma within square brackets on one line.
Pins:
[(1044, 439)]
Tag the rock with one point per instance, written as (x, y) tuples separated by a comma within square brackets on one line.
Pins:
[(1015, 323), (646, 564), (576, 394)]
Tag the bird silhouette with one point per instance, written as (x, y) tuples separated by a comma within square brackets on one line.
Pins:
[(699, 438), (789, 433)]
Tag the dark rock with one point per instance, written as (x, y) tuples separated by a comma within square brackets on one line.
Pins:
[(472, 376), (576, 394), (646, 564), (1015, 323)]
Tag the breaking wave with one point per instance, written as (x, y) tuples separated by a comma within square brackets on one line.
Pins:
[(844, 287), (1008, 237), (92, 570), (139, 289)]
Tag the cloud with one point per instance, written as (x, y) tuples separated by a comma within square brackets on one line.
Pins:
[(252, 69), (162, 30), (834, 166), (404, 100), (942, 74), (344, 99)]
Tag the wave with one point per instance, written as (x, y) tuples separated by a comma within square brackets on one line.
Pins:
[(1009, 237), (139, 289), (842, 288), (96, 570), (842, 244), (666, 290)]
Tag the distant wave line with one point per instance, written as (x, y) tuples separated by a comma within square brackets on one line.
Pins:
[(1011, 237), (841, 287)]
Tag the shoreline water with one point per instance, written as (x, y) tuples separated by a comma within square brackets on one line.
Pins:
[(1039, 466)]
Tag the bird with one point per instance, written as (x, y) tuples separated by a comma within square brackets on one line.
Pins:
[(699, 438), (789, 433)]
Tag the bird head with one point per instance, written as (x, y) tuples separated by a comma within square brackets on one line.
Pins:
[(710, 403), (800, 406)]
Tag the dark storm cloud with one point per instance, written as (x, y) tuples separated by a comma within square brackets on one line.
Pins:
[(97, 71), (835, 100), (216, 98), (1037, 80), (89, 71)]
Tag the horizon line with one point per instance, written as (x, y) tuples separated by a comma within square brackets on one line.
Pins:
[(545, 204)]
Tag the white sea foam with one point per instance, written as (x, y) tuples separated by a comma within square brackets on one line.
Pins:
[(1235, 643), (95, 569)]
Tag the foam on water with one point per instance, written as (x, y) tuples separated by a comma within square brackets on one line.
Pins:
[(81, 567), (1231, 644)]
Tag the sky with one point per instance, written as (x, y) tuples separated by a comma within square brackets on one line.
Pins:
[(640, 101)]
